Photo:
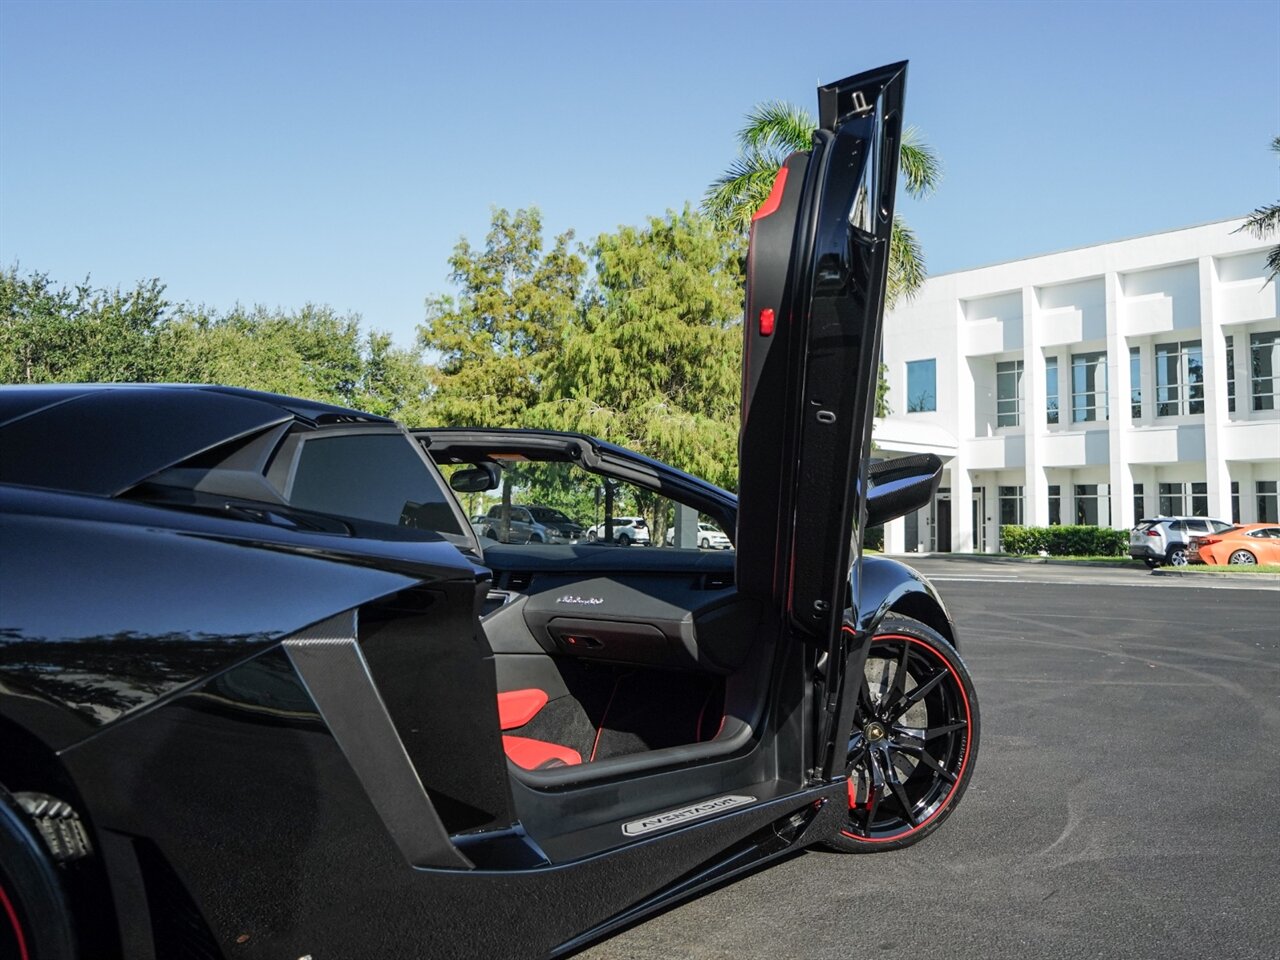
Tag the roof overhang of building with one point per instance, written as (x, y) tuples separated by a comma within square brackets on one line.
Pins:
[(898, 435)]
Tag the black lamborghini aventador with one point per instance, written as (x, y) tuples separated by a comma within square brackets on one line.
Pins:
[(265, 692)]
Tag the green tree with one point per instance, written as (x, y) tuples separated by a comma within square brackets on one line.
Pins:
[(83, 334), (495, 338), (313, 353), (52, 334), (1266, 222), (774, 131), (654, 361)]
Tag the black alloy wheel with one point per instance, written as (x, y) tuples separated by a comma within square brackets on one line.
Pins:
[(914, 740), (35, 919)]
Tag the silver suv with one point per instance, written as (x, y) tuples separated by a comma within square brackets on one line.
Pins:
[(1164, 539)]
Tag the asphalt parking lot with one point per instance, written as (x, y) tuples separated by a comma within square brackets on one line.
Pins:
[(1125, 803)]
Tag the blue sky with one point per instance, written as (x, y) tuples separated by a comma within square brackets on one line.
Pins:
[(283, 152)]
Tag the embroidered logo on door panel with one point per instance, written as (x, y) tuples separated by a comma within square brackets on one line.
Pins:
[(660, 821), (583, 601)]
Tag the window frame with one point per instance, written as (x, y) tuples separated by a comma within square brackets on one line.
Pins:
[(932, 394), (1015, 499), (1182, 395), (1259, 401), (1017, 370), (1095, 360), (1052, 392)]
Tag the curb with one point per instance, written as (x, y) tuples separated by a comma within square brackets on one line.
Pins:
[(1254, 577), (991, 558)]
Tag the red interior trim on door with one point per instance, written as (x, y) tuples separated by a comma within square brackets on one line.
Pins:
[(531, 754), (518, 707), (774, 199)]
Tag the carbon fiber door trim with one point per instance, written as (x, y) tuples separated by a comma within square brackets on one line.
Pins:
[(331, 665)]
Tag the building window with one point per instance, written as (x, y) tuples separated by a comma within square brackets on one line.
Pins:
[(1268, 508), (1093, 505), (1264, 358), (1010, 505), (1008, 393), (922, 386), (1139, 502), (1135, 383), (1055, 505), (1175, 498), (1051, 389), (1179, 379), (1235, 501), (1231, 377), (1088, 387)]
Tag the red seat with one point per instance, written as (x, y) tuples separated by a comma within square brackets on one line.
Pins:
[(532, 754), (515, 709), (518, 707)]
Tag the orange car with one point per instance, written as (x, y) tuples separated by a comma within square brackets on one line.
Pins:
[(1247, 544)]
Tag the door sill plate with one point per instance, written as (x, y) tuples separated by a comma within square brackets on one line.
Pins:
[(672, 818)]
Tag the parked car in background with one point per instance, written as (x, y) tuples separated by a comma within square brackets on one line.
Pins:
[(553, 526), (626, 531), (1245, 545), (1162, 540), (520, 527), (710, 537)]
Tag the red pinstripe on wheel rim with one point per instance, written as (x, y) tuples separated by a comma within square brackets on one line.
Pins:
[(12, 914)]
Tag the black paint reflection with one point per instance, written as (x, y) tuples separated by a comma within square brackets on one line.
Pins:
[(101, 677)]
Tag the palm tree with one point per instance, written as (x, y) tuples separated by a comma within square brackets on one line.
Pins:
[(776, 129), (1264, 222)]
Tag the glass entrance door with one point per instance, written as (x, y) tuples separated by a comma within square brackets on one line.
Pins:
[(942, 521), (980, 520)]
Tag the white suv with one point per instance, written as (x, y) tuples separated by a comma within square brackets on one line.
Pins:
[(709, 537), (626, 531), (1164, 539)]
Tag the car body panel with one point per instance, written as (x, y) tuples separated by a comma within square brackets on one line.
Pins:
[(1260, 540)]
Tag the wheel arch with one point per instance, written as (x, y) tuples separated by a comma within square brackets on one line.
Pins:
[(889, 586), (29, 765)]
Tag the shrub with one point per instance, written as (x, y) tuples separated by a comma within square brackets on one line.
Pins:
[(873, 538), (1064, 541)]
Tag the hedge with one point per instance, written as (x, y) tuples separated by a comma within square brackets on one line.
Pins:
[(1062, 541), (873, 538)]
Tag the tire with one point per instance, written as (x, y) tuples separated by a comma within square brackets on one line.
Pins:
[(1242, 558), (491, 534), (624, 541), (706, 544), (1177, 555), (591, 536), (35, 920), (1151, 562), (897, 798), (536, 539)]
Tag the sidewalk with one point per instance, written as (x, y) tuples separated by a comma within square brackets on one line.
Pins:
[(1100, 568)]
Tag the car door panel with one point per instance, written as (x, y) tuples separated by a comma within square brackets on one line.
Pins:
[(816, 282)]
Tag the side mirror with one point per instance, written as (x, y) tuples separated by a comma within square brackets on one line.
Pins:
[(477, 479), (897, 487)]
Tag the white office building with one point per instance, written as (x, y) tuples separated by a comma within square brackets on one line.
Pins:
[(1098, 385)]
